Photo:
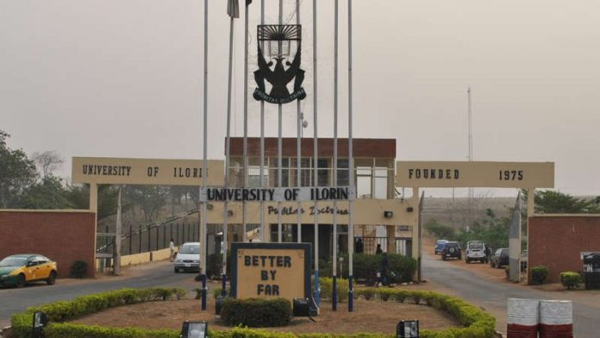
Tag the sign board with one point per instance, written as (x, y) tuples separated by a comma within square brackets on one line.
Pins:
[(264, 270), (475, 174), (298, 194), (103, 170)]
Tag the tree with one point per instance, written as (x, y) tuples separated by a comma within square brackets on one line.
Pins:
[(47, 193), (79, 197), (491, 230), (47, 162), (17, 173), (438, 230), (150, 198), (554, 202)]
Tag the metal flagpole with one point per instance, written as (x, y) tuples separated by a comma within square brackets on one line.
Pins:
[(335, 153), (263, 229), (279, 140), (203, 226), (298, 148), (350, 167), (245, 155), (233, 12), (317, 291), (203, 230), (471, 195)]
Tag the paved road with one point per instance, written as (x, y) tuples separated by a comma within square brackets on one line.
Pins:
[(492, 295), (159, 274)]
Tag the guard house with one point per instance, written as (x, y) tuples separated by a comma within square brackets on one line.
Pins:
[(381, 215)]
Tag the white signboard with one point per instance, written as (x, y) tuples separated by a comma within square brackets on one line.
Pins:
[(475, 174), (299, 194), (104, 170)]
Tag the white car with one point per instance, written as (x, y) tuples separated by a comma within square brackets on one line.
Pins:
[(188, 257), (475, 252)]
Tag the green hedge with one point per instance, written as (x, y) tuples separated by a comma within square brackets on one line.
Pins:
[(61, 311), (78, 269), (570, 279), (367, 266), (326, 286), (476, 323), (256, 312), (539, 274)]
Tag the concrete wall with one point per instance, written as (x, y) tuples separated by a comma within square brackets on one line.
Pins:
[(146, 257), (63, 236), (555, 241)]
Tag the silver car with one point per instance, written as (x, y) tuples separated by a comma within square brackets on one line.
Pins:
[(188, 257)]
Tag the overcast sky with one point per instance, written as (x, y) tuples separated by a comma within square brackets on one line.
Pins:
[(124, 79)]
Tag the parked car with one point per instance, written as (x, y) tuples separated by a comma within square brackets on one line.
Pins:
[(188, 257), (451, 250), (19, 270), (499, 258), (439, 244), (475, 251)]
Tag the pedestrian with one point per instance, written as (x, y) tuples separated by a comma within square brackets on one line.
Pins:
[(383, 270), (172, 249), (358, 245), (378, 251), (487, 252)]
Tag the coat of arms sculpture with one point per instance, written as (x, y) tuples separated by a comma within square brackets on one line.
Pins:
[(279, 40)]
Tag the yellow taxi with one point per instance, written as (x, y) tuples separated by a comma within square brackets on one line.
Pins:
[(18, 270)]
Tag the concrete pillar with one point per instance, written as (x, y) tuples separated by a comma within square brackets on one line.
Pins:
[(94, 209), (415, 223), (391, 238)]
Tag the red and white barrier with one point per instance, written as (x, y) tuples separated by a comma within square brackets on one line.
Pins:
[(522, 318), (556, 319)]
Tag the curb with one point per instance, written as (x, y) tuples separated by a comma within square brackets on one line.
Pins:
[(498, 334)]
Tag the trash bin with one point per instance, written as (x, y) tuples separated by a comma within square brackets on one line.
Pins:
[(591, 270)]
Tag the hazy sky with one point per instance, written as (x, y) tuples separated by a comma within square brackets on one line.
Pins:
[(124, 79)]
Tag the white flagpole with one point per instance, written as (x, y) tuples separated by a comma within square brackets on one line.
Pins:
[(471, 191), (227, 159), (350, 167), (203, 230), (298, 148), (335, 153), (317, 291), (279, 142), (263, 228), (245, 156)]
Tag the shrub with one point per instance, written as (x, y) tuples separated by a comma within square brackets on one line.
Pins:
[(216, 292), (78, 269), (570, 279), (198, 292), (367, 266), (326, 286), (539, 274), (256, 312)]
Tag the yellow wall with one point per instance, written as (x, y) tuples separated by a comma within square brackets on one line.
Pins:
[(144, 257)]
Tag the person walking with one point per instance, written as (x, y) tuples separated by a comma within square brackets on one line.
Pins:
[(383, 270), (487, 252), (172, 249)]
